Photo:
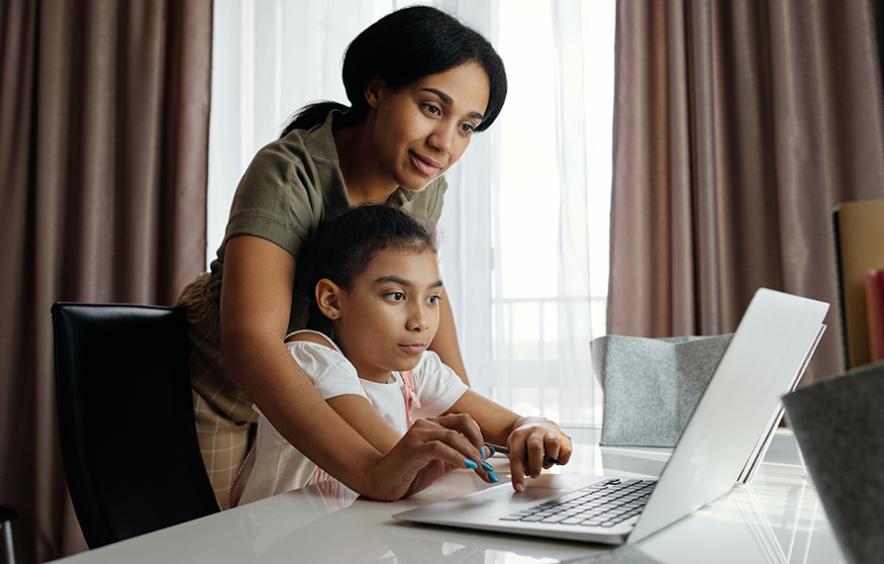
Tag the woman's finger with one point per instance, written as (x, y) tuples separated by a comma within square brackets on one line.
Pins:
[(464, 424), (432, 431)]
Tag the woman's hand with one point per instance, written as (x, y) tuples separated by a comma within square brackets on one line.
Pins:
[(531, 439), (430, 448)]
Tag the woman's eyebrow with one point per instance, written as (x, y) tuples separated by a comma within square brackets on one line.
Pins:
[(447, 99)]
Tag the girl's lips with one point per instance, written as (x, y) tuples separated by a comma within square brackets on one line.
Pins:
[(413, 349), (423, 166)]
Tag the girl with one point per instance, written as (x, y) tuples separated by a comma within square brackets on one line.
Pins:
[(377, 296), (419, 84)]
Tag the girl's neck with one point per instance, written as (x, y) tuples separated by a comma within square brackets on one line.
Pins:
[(366, 372), (365, 178)]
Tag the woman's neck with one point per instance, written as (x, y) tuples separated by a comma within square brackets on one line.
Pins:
[(364, 177)]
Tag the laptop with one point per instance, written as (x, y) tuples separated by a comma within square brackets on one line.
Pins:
[(765, 358)]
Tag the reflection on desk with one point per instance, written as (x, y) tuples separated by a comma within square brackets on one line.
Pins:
[(775, 519)]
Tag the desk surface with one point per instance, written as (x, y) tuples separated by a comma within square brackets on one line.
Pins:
[(775, 519)]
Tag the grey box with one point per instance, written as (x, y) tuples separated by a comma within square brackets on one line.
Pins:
[(651, 386), (839, 426)]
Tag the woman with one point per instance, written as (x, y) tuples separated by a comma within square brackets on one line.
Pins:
[(419, 84)]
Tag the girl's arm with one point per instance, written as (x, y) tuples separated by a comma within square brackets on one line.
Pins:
[(256, 300), (528, 438), (445, 342)]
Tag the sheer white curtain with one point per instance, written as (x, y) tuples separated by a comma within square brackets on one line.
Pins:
[(524, 232)]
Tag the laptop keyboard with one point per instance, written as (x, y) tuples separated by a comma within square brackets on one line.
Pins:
[(603, 504)]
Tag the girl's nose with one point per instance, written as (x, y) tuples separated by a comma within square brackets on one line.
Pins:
[(418, 320)]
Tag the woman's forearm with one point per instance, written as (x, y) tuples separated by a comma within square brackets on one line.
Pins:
[(263, 368)]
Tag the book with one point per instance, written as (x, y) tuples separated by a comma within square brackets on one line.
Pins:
[(859, 231), (875, 313)]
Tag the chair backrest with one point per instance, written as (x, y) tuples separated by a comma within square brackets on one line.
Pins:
[(125, 416)]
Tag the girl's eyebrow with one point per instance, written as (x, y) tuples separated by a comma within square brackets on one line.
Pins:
[(447, 99), (404, 282)]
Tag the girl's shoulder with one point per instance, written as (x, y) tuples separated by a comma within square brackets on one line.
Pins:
[(310, 336), (313, 344), (428, 366)]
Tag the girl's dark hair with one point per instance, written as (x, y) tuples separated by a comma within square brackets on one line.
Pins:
[(343, 247), (403, 47)]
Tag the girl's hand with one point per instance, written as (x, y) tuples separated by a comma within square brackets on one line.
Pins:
[(429, 449), (530, 439)]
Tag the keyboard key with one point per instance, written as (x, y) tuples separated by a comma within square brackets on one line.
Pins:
[(591, 523)]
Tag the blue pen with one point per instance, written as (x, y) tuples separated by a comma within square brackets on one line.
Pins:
[(547, 459)]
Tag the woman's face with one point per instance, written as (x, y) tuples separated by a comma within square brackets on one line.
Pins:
[(423, 128)]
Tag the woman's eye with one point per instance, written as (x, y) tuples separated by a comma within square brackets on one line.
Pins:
[(432, 110), (434, 299), (396, 296), (467, 128)]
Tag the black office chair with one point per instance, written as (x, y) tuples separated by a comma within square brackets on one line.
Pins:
[(125, 416)]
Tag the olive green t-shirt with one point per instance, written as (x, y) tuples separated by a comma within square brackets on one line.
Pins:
[(291, 187)]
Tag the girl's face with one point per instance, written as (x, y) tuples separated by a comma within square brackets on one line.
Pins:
[(423, 128), (391, 313)]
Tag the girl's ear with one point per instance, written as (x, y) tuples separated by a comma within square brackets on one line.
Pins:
[(374, 91), (328, 298)]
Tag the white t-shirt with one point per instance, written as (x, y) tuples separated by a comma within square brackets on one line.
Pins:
[(280, 467)]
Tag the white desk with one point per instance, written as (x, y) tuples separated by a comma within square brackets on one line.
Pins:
[(776, 519)]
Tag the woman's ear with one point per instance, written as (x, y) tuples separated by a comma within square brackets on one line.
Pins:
[(374, 91), (328, 298)]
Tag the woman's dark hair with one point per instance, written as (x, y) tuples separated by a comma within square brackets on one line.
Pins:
[(403, 47), (343, 247)]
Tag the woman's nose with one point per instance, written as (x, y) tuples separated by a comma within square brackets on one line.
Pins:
[(442, 137)]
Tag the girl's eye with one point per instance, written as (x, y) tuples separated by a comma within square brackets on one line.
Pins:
[(433, 300), (395, 296), (467, 128), (432, 109)]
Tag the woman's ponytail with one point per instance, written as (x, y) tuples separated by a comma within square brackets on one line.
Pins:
[(312, 115)]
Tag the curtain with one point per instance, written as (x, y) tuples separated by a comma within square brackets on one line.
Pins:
[(527, 205), (738, 128), (103, 156)]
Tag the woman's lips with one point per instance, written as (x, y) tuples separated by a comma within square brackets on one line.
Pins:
[(425, 167)]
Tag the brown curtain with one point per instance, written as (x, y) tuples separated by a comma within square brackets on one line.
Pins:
[(739, 125), (103, 150)]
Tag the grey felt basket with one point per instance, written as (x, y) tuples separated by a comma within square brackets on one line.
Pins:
[(651, 386), (839, 425)]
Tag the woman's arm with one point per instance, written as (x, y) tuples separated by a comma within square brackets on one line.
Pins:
[(356, 411), (255, 305), (445, 342), (528, 438)]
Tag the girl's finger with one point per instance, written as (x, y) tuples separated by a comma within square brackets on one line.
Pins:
[(566, 447), (534, 444), (551, 446), (517, 461)]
